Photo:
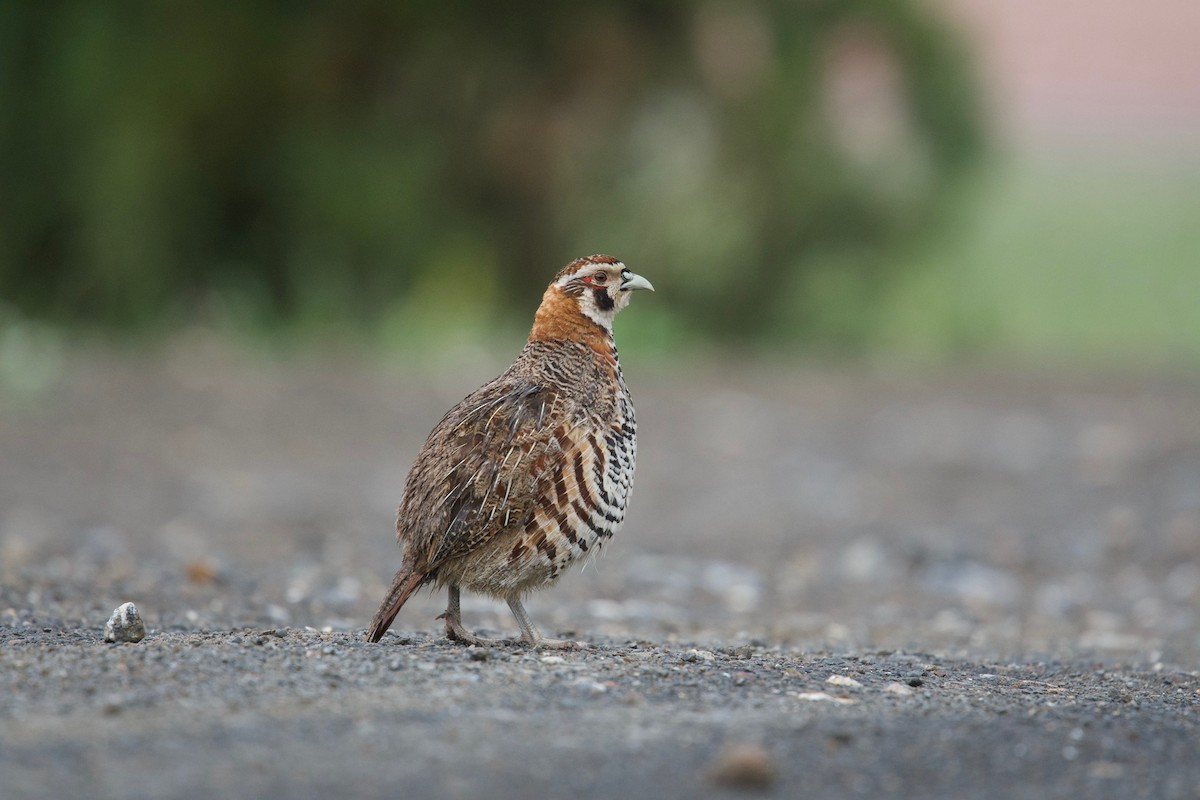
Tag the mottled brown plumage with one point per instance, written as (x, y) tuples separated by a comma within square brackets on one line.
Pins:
[(532, 471)]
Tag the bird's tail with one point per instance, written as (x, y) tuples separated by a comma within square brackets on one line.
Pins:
[(403, 585)]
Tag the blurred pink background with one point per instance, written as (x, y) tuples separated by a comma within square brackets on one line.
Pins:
[(1089, 72)]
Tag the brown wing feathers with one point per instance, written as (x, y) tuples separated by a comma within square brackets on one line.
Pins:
[(474, 498)]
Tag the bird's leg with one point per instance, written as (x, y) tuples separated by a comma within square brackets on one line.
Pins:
[(530, 634), (454, 626), (452, 614)]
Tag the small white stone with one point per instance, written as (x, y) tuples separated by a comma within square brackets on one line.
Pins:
[(125, 625), (591, 686), (553, 660), (843, 680), (823, 697), (895, 687)]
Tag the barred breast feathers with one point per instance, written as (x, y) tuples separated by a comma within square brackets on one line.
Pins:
[(493, 456)]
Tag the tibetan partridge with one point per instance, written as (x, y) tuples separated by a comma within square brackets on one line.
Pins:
[(531, 472)]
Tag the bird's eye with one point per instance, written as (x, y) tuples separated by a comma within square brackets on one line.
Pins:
[(600, 277)]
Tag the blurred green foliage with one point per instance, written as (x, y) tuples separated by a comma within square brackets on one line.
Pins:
[(1079, 260), (402, 162)]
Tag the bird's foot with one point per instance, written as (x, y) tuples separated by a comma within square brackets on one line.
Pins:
[(532, 637), (456, 632), (543, 643)]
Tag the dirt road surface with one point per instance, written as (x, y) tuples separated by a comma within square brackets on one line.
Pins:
[(833, 582)]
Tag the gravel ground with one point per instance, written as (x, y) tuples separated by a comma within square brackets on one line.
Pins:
[(833, 583)]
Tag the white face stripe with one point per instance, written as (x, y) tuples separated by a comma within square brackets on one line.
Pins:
[(588, 269)]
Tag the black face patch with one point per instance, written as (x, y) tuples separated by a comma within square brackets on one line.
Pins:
[(603, 301)]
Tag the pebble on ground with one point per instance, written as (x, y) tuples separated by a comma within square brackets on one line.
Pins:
[(125, 625)]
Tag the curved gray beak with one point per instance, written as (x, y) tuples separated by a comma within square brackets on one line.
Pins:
[(635, 281)]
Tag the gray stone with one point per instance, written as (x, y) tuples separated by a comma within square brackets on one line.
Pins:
[(125, 625)]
